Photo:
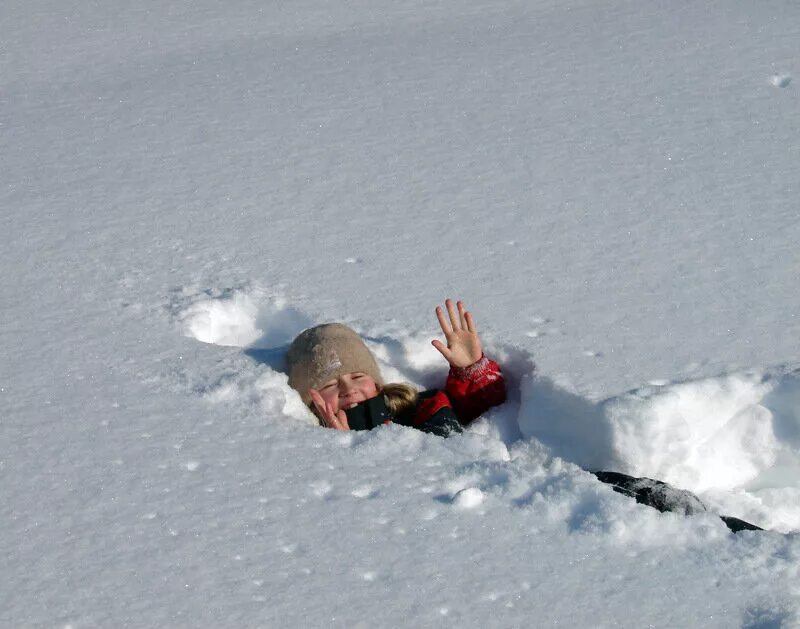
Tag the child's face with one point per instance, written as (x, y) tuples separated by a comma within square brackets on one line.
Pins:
[(348, 390)]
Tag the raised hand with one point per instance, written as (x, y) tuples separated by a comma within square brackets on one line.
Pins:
[(331, 416), (463, 345)]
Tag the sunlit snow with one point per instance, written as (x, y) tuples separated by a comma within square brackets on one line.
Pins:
[(610, 186)]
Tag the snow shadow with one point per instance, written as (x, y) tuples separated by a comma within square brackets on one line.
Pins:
[(572, 427), (717, 432), (784, 403), (779, 616)]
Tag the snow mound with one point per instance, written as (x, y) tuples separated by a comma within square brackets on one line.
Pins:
[(733, 435), (241, 318), (468, 498), (230, 321)]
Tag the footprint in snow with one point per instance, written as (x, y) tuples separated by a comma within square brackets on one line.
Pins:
[(365, 491), (321, 488), (780, 80)]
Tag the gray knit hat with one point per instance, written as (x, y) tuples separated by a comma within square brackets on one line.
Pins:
[(325, 352)]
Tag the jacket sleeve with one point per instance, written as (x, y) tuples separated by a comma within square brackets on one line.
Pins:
[(475, 389), (435, 414)]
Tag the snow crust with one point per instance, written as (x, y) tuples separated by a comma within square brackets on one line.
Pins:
[(612, 189)]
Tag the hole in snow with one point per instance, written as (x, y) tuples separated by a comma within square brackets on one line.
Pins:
[(735, 438)]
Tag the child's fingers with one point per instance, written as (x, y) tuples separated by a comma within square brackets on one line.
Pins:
[(331, 417), (338, 420), (442, 321), (335, 417), (470, 323), (461, 318), (319, 403), (317, 399), (442, 349), (333, 422), (454, 320), (343, 424)]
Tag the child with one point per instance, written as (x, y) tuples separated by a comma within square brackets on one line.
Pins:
[(338, 378)]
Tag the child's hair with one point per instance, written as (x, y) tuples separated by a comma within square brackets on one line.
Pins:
[(401, 398)]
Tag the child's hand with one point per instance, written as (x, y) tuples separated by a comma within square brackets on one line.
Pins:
[(331, 417), (463, 345)]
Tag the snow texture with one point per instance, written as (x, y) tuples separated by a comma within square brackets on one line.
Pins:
[(610, 186)]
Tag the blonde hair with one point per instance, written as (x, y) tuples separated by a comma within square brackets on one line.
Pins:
[(401, 398)]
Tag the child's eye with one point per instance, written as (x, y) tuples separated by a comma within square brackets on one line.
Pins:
[(358, 376), (328, 385)]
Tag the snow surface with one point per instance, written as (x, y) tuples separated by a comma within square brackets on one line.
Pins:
[(610, 186)]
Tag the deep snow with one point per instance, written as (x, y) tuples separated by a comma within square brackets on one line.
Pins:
[(610, 186)]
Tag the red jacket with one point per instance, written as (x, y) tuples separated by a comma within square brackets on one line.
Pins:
[(470, 392)]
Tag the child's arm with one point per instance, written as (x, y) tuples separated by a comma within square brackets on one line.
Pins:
[(474, 383), (475, 389)]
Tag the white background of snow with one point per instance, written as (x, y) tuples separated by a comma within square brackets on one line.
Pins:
[(612, 188)]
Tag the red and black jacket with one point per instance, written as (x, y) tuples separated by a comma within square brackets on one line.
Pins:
[(469, 392)]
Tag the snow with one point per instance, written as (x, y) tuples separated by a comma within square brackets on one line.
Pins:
[(610, 186)]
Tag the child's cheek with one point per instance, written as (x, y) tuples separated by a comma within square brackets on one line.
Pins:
[(331, 399)]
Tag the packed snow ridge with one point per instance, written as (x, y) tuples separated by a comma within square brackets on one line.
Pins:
[(734, 438)]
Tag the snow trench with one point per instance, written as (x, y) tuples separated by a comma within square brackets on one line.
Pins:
[(734, 439)]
